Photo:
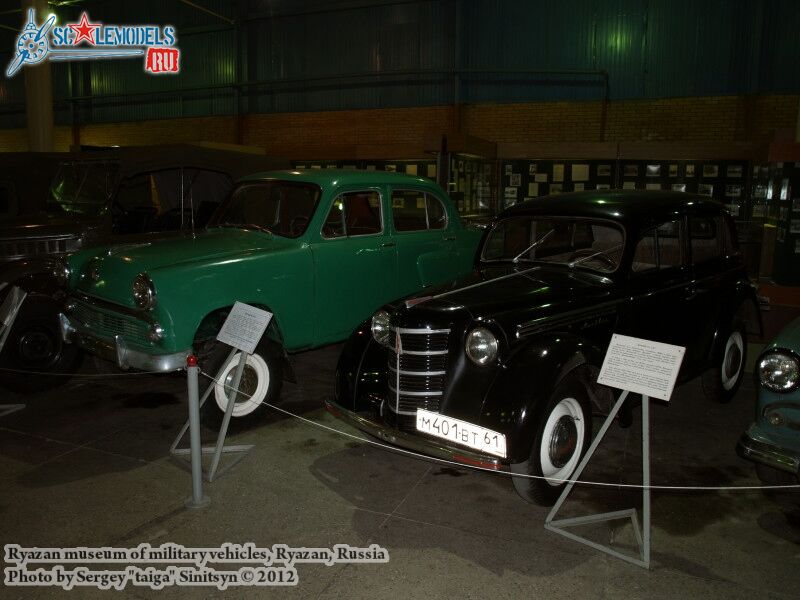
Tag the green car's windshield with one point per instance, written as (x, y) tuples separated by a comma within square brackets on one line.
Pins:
[(284, 208), (572, 242), (82, 188)]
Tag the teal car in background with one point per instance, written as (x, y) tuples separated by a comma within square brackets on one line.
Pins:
[(773, 440), (321, 250)]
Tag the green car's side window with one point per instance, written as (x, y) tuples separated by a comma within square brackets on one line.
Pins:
[(353, 214), (417, 210)]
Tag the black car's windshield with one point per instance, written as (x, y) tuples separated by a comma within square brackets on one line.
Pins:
[(284, 208), (82, 188), (586, 243)]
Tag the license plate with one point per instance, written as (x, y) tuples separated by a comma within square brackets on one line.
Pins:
[(461, 432)]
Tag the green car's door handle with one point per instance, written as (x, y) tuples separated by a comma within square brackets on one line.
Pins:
[(449, 238), (387, 244)]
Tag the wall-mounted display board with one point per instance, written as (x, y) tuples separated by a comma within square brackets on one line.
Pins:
[(521, 180), (424, 168), (471, 186), (783, 213)]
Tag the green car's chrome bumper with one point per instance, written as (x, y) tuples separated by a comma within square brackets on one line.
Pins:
[(116, 350), (767, 453)]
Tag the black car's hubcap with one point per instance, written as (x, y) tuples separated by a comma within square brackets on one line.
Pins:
[(563, 442), (37, 347), (733, 362)]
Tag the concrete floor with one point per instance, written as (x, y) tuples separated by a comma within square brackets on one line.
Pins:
[(88, 465)]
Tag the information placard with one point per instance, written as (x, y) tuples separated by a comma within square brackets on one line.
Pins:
[(244, 327), (641, 366)]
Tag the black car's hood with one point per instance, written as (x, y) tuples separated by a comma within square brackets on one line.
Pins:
[(43, 225), (507, 295)]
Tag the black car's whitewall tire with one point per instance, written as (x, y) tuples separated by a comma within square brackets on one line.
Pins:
[(563, 431), (722, 381)]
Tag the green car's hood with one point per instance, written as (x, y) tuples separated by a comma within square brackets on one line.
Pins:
[(119, 265)]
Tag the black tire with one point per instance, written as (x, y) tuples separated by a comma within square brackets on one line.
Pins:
[(722, 381), (34, 346), (262, 381), (563, 431)]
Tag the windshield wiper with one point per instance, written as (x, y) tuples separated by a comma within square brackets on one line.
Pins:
[(538, 242), (582, 259)]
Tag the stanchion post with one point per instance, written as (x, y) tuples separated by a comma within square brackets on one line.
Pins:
[(197, 499)]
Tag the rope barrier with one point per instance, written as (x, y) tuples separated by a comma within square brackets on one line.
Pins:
[(508, 473)]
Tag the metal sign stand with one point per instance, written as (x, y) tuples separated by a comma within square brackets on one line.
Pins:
[(643, 534), (195, 451), (242, 330), (8, 313)]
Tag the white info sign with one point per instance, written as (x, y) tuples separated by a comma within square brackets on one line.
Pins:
[(244, 327), (641, 366)]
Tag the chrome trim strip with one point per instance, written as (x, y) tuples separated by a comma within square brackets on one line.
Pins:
[(417, 331), (422, 353), (418, 373), (417, 394)]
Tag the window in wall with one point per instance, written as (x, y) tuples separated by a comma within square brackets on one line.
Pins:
[(353, 214)]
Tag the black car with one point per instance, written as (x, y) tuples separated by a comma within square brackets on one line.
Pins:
[(499, 369)]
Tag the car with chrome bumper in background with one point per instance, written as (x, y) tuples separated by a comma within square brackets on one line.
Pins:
[(321, 250), (499, 368), (773, 440)]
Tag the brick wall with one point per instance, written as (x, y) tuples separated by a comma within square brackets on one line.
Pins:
[(716, 118)]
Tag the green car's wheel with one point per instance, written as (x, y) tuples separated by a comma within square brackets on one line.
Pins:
[(262, 380)]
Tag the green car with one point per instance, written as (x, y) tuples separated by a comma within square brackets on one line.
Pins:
[(321, 250)]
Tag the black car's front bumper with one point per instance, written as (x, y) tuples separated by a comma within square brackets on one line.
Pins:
[(416, 443)]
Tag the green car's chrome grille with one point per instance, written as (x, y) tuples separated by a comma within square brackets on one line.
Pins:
[(110, 325)]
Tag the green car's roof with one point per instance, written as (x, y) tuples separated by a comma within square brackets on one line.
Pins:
[(326, 177)]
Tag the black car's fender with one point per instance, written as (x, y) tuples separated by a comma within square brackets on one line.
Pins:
[(742, 306), (361, 372), (529, 377)]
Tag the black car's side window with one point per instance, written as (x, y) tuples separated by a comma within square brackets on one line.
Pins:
[(415, 210), (705, 234), (659, 248), (353, 214)]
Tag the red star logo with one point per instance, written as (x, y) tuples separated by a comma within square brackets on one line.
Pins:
[(84, 30)]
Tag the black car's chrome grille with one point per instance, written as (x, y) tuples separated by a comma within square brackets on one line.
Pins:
[(20, 248), (417, 369), (110, 325)]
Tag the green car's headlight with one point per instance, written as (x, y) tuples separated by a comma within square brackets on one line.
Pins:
[(144, 292), (481, 346), (779, 371), (380, 327)]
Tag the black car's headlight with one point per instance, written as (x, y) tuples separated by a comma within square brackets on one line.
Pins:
[(481, 346), (380, 327), (144, 292), (779, 371)]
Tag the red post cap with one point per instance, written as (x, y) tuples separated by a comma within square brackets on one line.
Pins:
[(191, 360)]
